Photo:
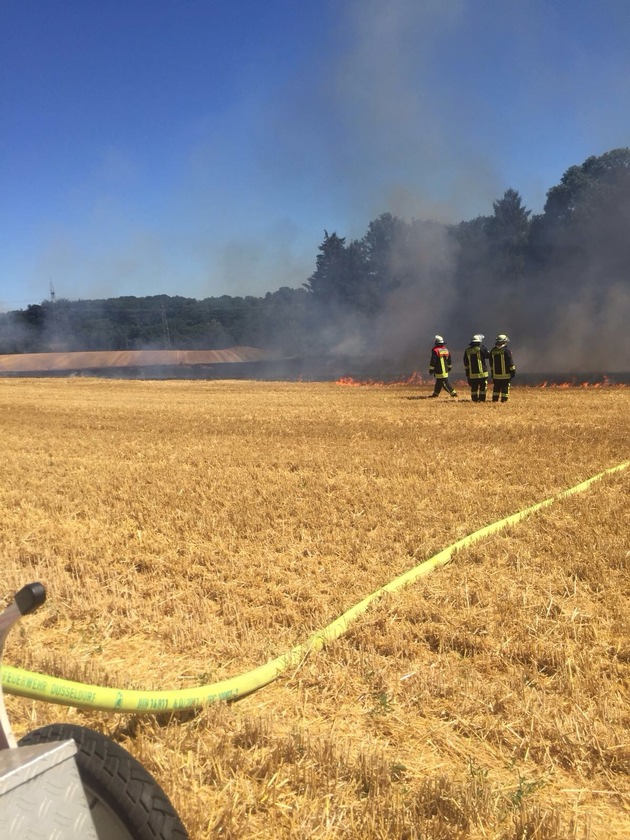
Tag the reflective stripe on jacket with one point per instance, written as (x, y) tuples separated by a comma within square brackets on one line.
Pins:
[(440, 364), (475, 358), (502, 363)]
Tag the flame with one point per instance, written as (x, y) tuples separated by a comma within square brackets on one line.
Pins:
[(348, 380), (414, 379), (604, 382)]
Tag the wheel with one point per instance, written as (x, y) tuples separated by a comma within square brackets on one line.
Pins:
[(125, 801)]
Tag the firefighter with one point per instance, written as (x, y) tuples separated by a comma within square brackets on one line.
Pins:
[(476, 358), (503, 369), (440, 366)]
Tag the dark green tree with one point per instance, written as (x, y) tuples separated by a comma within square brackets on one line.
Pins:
[(508, 230), (587, 213), (598, 182), (339, 273), (473, 282), (579, 246), (387, 257)]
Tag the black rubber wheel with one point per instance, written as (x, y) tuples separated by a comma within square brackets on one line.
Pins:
[(125, 801)]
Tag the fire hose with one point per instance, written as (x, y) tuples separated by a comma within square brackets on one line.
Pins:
[(68, 693)]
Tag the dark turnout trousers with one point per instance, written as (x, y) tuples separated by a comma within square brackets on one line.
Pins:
[(500, 389), (478, 389), (443, 383)]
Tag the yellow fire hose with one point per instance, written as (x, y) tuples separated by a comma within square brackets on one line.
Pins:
[(68, 693)]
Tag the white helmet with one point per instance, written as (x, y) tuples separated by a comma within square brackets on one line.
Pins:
[(476, 339), (438, 339), (501, 339)]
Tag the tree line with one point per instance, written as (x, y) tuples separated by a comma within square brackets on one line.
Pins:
[(539, 276)]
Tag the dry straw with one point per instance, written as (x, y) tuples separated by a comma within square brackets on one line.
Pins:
[(189, 531)]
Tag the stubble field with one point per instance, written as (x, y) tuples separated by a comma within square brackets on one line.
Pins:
[(190, 531)]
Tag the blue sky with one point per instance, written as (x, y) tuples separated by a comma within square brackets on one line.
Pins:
[(201, 147)]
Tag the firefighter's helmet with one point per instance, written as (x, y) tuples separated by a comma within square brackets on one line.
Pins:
[(476, 339), (501, 340), (438, 340)]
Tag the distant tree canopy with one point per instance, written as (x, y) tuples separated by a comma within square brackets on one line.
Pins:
[(157, 322), (508, 267)]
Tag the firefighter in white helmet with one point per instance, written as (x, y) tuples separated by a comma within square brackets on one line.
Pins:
[(476, 358), (440, 366), (502, 367)]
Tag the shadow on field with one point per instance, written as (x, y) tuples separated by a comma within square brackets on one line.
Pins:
[(429, 397)]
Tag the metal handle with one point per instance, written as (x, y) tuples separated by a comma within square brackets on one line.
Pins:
[(30, 597), (25, 601)]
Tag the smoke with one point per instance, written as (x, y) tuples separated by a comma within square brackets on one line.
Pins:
[(375, 123), (406, 127), (590, 334), (424, 109), (422, 306), (13, 337), (415, 135), (384, 129)]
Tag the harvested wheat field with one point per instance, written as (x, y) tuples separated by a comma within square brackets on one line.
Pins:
[(190, 531)]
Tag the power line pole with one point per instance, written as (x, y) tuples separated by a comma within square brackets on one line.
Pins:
[(53, 312), (165, 331)]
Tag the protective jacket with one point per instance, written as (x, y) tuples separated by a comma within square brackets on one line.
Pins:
[(476, 357), (502, 363), (440, 364)]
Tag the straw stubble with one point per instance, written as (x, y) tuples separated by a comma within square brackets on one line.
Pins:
[(189, 531)]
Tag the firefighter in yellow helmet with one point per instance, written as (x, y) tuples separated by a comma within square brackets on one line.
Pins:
[(476, 358), (502, 367), (440, 366)]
